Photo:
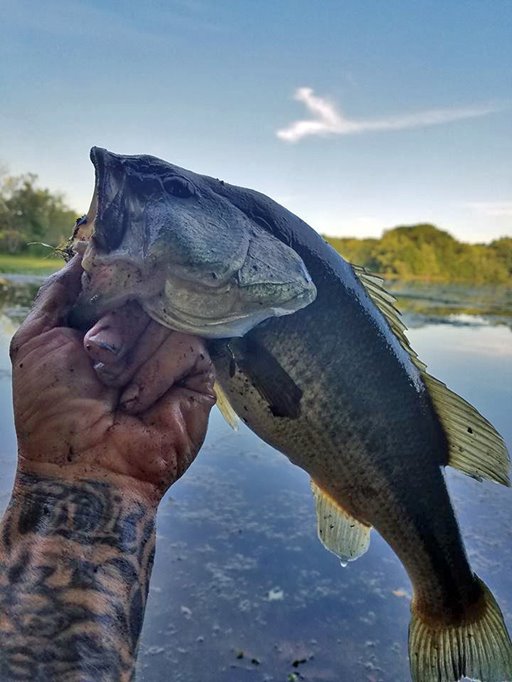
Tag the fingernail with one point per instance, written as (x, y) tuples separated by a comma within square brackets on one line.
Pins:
[(104, 346), (105, 373), (112, 348), (129, 397)]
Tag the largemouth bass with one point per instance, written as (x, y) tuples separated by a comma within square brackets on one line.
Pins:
[(310, 352)]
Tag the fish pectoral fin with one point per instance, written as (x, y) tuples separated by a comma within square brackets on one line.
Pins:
[(225, 408), (338, 530), (268, 377)]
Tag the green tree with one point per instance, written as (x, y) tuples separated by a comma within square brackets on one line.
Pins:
[(424, 252), (29, 213), (501, 250)]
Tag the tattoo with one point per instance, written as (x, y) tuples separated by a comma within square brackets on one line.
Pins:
[(75, 563)]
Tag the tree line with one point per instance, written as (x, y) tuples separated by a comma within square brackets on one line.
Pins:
[(424, 252), (30, 214)]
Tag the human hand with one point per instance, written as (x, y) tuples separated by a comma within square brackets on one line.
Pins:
[(129, 402)]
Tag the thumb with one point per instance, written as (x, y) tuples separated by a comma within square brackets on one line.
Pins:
[(52, 303)]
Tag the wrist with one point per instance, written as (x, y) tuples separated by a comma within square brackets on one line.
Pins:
[(132, 490), (90, 513)]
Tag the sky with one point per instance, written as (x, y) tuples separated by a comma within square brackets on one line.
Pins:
[(357, 115)]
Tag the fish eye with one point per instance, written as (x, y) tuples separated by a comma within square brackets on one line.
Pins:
[(179, 187)]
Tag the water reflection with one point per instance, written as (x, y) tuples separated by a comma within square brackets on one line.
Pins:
[(16, 295), (453, 303), (243, 590)]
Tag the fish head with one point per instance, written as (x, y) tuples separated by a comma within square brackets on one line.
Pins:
[(195, 262)]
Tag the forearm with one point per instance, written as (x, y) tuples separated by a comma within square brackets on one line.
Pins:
[(75, 564)]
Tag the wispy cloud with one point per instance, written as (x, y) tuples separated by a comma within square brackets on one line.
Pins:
[(494, 209), (152, 29), (329, 120)]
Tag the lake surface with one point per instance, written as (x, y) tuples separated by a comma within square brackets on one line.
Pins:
[(242, 589)]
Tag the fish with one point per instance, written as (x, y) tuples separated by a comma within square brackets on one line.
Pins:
[(311, 353)]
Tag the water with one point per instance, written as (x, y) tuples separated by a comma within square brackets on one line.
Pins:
[(242, 589)]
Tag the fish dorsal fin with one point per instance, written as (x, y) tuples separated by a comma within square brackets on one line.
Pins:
[(338, 530), (475, 447), (385, 302), (225, 407)]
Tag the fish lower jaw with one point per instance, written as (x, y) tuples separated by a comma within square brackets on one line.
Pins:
[(220, 328), (231, 322)]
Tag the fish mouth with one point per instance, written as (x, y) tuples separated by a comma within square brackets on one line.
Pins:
[(92, 306), (177, 303), (111, 220), (179, 300), (108, 284)]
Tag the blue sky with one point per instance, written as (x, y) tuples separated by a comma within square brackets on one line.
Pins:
[(408, 105)]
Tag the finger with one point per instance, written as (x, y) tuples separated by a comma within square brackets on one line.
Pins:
[(52, 303), (115, 334), (202, 382), (177, 358), (120, 373), (181, 417)]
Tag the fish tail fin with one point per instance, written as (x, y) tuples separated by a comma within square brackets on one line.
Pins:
[(479, 647)]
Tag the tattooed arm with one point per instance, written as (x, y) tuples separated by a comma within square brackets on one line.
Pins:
[(74, 573), (105, 424)]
